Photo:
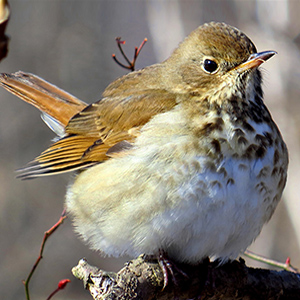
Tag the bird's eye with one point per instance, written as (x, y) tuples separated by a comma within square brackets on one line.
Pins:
[(210, 66)]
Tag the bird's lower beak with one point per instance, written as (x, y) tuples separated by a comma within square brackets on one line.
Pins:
[(255, 60)]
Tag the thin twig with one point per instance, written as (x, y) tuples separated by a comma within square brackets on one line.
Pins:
[(285, 266), (137, 50), (61, 285), (120, 43), (46, 235)]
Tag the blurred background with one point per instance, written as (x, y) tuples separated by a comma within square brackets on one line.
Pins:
[(70, 43)]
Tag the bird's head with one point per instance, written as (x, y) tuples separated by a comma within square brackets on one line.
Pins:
[(216, 58)]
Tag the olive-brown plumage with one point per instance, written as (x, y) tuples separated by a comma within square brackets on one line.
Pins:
[(182, 156)]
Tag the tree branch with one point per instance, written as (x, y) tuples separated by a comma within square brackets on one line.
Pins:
[(142, 279)]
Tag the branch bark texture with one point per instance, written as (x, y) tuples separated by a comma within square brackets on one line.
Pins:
[(142, 279)]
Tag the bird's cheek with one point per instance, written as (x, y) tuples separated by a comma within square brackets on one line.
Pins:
[(195, 77)]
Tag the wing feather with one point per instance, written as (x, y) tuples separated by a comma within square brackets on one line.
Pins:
[(113, 123)]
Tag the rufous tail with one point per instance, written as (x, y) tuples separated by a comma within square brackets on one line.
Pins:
[(57, 108), (49, 99)]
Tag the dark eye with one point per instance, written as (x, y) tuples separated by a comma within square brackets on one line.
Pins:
[(210, 66)]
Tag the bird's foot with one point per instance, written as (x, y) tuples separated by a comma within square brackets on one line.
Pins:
[(168, 267)]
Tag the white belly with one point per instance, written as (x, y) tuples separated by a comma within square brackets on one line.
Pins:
[(164, 195), (189, 211)]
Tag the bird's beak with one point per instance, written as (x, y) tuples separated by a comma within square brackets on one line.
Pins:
[(255, 60)]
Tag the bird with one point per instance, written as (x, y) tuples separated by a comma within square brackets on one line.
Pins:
[(182, 156)]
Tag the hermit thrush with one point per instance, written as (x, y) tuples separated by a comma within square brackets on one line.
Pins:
[(181, 157)]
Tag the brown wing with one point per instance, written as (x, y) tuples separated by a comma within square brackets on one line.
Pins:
[(104, 129)]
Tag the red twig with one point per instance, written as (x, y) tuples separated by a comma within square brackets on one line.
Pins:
[(46, 235), (286, 266), (61, 285), (137, 50)]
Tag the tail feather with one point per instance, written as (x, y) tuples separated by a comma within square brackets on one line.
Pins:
[(57, 108), (48, 98)]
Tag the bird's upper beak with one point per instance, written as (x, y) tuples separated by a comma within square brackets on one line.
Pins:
[(255, 60)]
